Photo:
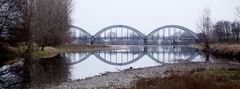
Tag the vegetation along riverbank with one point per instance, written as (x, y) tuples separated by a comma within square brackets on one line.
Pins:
[(195, 79), (53, 51), (221, 49)]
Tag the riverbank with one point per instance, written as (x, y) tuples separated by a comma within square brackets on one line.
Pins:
[(195, 79), (221, 49), (49, 52), (129, 77), (53, 51)]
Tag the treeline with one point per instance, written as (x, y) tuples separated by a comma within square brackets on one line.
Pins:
[(226, 31), (28, 22), (221, 31)]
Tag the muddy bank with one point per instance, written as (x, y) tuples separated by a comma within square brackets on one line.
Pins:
[(125, 78)]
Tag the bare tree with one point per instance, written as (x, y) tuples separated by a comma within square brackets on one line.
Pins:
[(11, 17), (223, 31), (28, 18), (51, 22), (11, 13), (236, 30), (238, 12), (205, 25), (236, 25), (45, 22)]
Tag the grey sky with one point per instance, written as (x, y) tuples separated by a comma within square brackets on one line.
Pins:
[(147, 15)]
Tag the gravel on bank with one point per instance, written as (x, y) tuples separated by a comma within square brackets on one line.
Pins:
[(125, 78)]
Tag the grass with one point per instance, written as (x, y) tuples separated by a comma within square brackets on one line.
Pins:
[(16, 53), (53, 51), (197, 46), (205, 79), (225, 49), (221, 49), (46, 53), (81, 48)]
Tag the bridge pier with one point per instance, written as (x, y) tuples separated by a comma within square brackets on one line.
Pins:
[(92, 40), (145, 42)]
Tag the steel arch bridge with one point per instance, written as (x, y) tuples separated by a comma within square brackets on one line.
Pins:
[(126, 35)]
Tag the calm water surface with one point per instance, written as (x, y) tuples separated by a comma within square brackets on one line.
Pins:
[(73, 66)]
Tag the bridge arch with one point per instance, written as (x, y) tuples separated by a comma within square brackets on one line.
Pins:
[(174, 26), (119, 26), (79, 35), (119, 64), (172, 54), (121, 57), (189, 59), (75, 58), (172, 34), (117, 34)]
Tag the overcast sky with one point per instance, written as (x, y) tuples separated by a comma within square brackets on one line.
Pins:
[(147, 15)]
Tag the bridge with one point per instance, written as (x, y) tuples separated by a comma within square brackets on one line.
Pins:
[(126, 35)]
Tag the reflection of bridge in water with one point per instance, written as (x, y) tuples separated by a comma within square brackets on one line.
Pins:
[(160, 54), (125, 35)]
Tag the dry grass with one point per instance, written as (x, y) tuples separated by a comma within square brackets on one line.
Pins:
[(46, 53), (49, 52), (225, 49), (80, 48), (208, 79), (197, 46), (52, 51), (221, 49)]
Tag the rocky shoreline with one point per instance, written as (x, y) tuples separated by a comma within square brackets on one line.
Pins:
[(127, 77)]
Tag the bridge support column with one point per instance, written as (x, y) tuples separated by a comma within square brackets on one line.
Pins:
[(92, 41), (197, 41), (145, 49), (145, 42)]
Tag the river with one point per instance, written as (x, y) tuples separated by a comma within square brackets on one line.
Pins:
[(73, 66)]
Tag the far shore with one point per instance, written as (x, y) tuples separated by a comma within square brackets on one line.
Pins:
[(53, 51), (49, 51)]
